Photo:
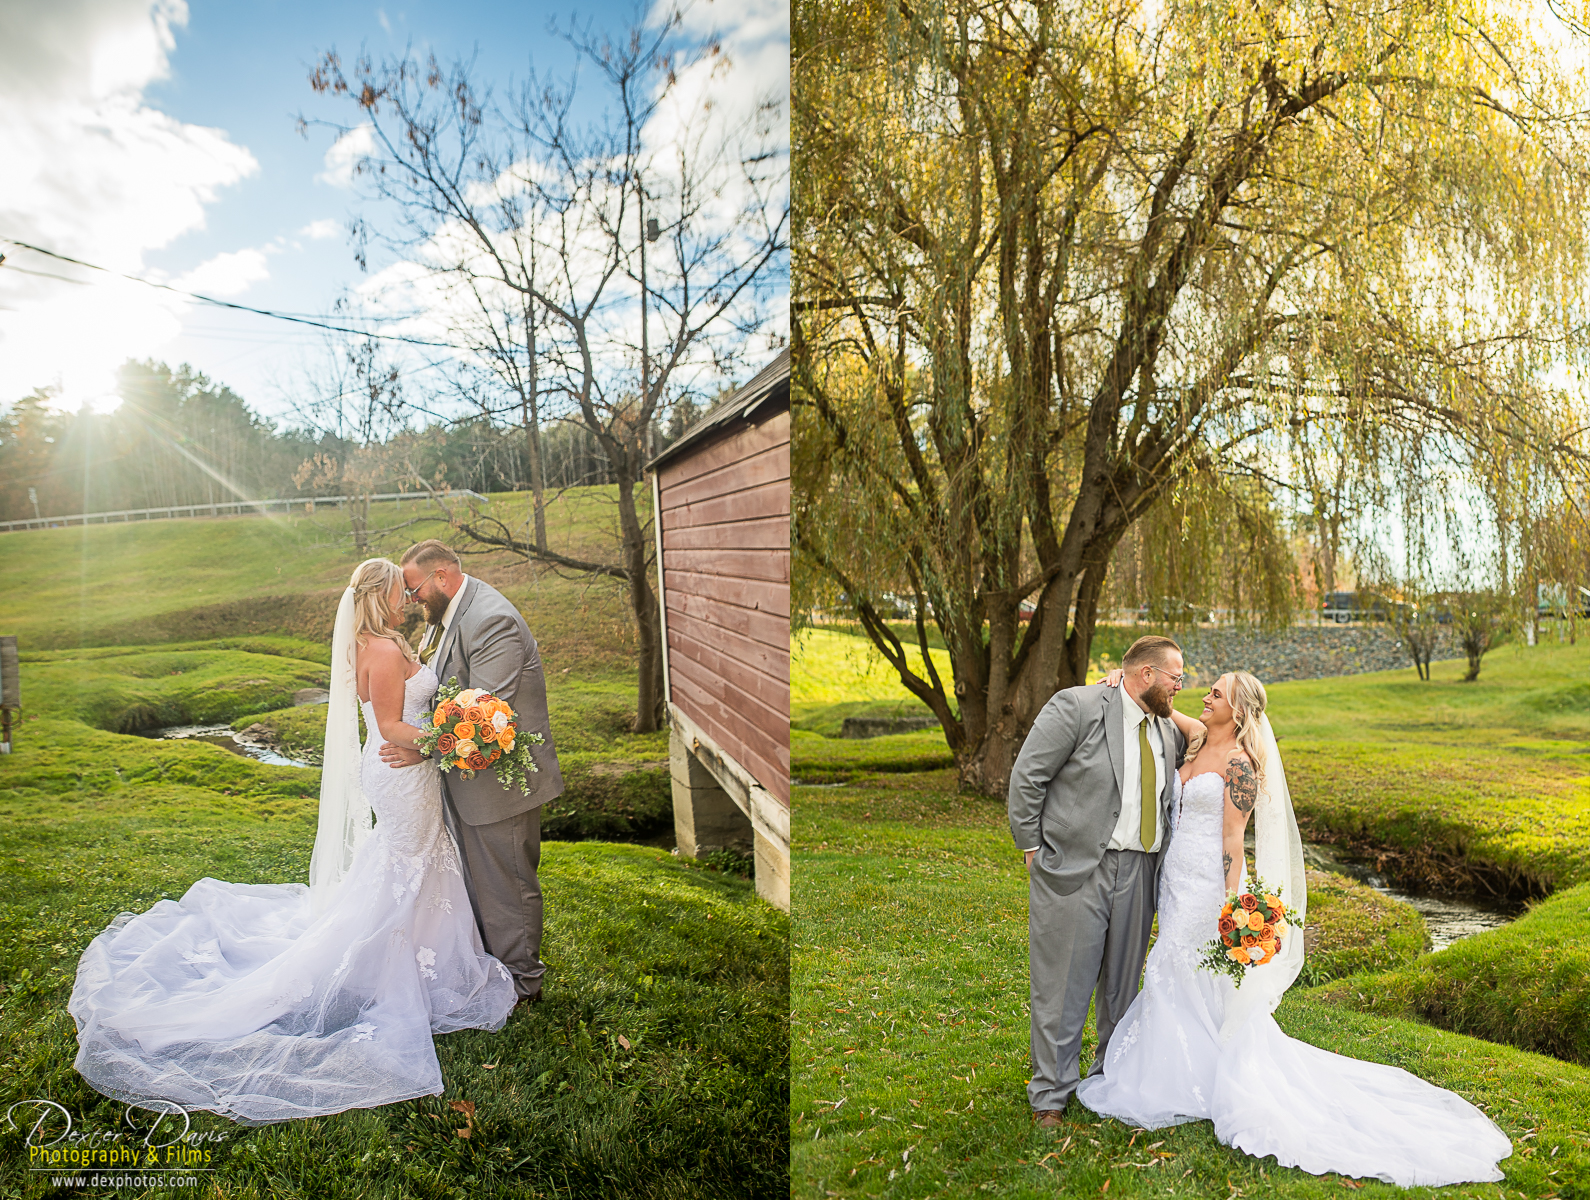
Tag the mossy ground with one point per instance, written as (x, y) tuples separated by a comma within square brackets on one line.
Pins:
[(910, 1028)]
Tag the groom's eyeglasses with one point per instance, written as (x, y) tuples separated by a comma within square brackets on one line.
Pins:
[(1181, 680), (412, 593)]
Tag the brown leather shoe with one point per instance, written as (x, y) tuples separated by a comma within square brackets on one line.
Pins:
[(1048, 1118)]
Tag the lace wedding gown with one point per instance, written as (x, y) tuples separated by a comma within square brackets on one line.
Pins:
[(1265, 1092), (240, 1000)]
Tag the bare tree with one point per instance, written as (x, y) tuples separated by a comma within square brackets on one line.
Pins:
[(581, 233)]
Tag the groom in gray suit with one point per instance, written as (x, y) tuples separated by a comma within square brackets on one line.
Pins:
[(1089, 803), (477, 635)]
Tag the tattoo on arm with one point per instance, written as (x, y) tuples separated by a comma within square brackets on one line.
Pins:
[(1225, 863), (1242, 785)]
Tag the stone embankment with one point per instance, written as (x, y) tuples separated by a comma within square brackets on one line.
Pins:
[(1303, 652)]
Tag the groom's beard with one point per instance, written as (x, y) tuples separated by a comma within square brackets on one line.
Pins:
[(1157, 700), (435, 608)]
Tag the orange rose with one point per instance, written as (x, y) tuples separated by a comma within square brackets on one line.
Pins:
[(445, 743), (476, 761), (1248, 901), (509, 730), (1226, 923), (1255, 921), (455, 711), (1249, 941), (1266, 932), (439, 719), (1240, 955), (463, 731), (476, 715), (493, 757)]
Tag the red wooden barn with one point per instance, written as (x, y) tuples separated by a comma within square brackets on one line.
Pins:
[(722, 497)]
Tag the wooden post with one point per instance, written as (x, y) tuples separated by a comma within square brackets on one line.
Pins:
[(10, 690)]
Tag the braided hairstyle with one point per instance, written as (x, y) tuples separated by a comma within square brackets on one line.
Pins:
[(372, 583)]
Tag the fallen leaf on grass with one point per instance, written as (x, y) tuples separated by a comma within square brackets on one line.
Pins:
[(623, 1041), (488, 1066)]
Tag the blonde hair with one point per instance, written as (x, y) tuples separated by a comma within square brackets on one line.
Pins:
[(372, 583), (1248, 701)]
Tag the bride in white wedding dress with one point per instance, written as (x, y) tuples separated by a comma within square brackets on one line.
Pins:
[(1194, 1046), (266, 1002)]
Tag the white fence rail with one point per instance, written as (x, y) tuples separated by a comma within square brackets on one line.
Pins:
[(229, 508)]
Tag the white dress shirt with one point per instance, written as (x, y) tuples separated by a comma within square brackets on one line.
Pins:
[(1129, 826), (1128, 833)]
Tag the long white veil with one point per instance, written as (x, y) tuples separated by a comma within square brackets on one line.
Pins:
[(345, 816), (1278, 859)]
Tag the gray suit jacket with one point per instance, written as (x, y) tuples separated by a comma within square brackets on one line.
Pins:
[(489, 646), (1065, 789)]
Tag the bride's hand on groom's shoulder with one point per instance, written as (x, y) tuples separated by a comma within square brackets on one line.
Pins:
[(1113, 679), (396, 756)]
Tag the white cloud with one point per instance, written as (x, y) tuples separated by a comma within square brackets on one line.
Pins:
[(93, 172), (344, 154), (321, 229), (226, 274)]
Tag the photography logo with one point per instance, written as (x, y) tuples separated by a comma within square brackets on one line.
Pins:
[(156, 1147)]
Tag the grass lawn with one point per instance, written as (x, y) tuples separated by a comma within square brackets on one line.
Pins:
[(910, 1028), (910, 1031), (681, 961), (658, 1065)]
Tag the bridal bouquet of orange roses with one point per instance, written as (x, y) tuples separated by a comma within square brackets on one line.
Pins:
[(1250, 930), (471, 730)]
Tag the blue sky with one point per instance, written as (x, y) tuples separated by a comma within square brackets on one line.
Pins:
[(160, 139)]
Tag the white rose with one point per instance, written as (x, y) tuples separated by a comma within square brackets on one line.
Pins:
[(466, 697), (465, 748), (498, 720)]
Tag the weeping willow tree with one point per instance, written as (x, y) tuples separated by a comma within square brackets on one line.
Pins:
[(1067, 271)]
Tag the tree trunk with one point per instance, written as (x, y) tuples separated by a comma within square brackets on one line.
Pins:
[(650, 710)]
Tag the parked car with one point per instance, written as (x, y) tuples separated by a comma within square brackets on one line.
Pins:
[(1342, 607), (1551, 599)]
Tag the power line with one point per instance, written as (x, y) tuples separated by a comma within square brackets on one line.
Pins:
[(166, 287)]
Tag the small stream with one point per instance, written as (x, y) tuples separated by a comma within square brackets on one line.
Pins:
[(224, 737), (1448, 918)]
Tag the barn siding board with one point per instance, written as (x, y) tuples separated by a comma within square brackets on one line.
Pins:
[(758, 595), (770, 466), (770, 723), (768, 628), (727, 709), (767, 533), (772, 661), (769, 565), (765, 500), (743, 442), (748, 677), (723, 517), (767, 761)]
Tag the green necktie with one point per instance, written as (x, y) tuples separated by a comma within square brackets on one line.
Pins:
[(428, 650), (1146, 773)]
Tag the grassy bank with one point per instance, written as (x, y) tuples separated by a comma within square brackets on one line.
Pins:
[(202, 579), (1452, 786), (910, 1030), (1526, 984), (680, 961)]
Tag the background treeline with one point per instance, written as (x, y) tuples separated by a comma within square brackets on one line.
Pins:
[(179, 437)]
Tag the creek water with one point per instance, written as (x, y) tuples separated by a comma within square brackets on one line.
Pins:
[(222, 736), (1448, 918)]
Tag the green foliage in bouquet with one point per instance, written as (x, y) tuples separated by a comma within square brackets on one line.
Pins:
[(1249, 931), (471, 730)]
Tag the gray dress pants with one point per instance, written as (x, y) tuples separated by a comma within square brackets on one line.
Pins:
[(500, 861), (1093, 940)]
